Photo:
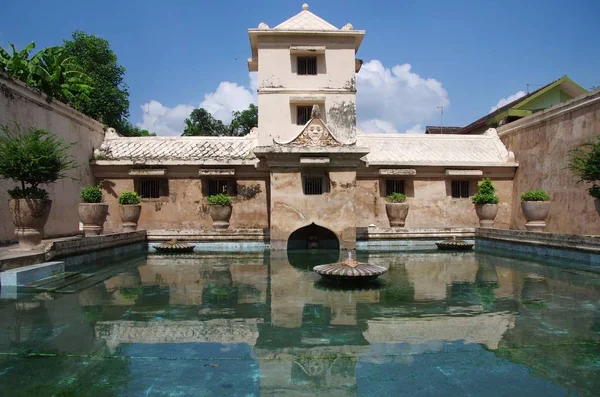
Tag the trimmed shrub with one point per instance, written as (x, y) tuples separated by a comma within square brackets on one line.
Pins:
[(535, 195), (486, 193), (129, 198), (396, 198), (219, 199), (92, 193)]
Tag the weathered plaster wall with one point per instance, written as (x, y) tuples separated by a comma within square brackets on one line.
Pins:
[(430, 203), (281, 88), (30, 109), (541, 144), (185, 207), (292, 209)]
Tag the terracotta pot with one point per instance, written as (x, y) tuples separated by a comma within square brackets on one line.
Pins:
[(486, 214), (130, 214), (29, 217), (536, 213), (93, 215), (396, 213), (220, 215)]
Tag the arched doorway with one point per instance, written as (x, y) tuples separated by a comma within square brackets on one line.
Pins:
[(312, 245)]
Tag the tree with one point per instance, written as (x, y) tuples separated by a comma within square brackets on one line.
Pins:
[(128, 129), (244, 121), (202, 123), (109, 101)]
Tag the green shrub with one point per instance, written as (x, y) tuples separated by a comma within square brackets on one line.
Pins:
[(92, 193), (129, 198), (594, 191), (32, 158), (535, 195), (486, 193), (396, 198), (219, 199)]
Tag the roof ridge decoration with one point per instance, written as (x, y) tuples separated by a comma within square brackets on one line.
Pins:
[(315, 133), (305, 20)]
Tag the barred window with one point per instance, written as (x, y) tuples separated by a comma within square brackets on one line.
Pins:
[(394, 186), (313, 185), (307, 65), (152, 188), (217, 186), (460, 189), (303, 114)]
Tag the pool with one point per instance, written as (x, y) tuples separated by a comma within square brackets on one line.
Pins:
[(260, 323)]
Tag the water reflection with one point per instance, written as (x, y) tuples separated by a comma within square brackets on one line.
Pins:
[(240, 324)]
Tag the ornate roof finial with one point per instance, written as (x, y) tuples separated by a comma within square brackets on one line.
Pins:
[(305, 7), (316, 112)]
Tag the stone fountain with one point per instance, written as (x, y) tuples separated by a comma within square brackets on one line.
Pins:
[(349, 270)]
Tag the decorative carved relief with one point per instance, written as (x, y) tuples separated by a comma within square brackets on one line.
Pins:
[(315, 133)]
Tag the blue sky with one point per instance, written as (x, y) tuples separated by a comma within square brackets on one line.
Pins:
[(468, 55)]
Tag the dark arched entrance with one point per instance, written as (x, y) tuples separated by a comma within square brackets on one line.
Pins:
[(312, 245)]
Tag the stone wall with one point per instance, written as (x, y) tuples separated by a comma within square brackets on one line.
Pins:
[(30, 109), (185, 208), (291, 209), (541, 144), (430, 203)]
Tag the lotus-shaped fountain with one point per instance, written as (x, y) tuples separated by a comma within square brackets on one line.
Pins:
[(174, 247), (454, 244), (349, 270)]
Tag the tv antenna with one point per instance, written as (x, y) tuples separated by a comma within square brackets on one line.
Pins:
[(442, 121)]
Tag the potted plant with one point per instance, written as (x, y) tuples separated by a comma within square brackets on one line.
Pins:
[(396, 209), (92, 211), (130, 209), (32, 158), (535, 205), (219, 207), (486, 203), (585, 164)]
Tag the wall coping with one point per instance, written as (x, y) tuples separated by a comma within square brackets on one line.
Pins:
[(19, 88), (555, 111)]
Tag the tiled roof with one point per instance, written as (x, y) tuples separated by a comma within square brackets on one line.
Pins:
[(187, 150), (305, 20), (441, 150), (430, 129)]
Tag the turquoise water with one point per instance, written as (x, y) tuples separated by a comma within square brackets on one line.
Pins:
[(250, 324)]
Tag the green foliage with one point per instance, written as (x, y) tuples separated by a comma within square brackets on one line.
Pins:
[(92, 193), (244, 121), (109, 101), (127, 129), (28, 193), (594, 191), (219, 199), (535, 195), (51, 71), (585, 164), (33, 158), (129, 198), (202, 123), (486, 193), (396, 198)]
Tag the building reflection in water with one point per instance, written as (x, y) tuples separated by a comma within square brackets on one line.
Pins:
[(289, 333)]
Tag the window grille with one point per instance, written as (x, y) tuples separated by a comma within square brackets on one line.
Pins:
[(150, 188), (313, 185), (307, 65), (303, 114), (217, 186), (460, 189), (394, 186)]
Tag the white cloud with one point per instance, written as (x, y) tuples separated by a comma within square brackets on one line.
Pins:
[(415, 129), (396, 99), (227, 98), (507, 100)]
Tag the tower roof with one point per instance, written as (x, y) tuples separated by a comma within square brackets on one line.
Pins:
[(305, 20)]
